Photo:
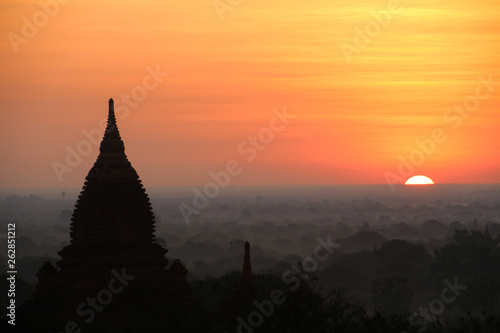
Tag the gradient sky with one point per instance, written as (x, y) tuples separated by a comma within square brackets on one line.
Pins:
[(352, 120)]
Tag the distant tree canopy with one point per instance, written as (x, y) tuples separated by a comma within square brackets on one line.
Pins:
[(392, 295), (474, 258), (396, 278)]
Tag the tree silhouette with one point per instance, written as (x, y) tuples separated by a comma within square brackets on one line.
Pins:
[(392, 295)]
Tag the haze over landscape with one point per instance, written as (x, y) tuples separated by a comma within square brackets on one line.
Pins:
[(250, 166)]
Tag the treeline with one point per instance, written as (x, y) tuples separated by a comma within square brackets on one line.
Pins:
[(395, 288)]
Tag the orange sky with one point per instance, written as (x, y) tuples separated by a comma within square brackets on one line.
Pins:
[(353, 119)]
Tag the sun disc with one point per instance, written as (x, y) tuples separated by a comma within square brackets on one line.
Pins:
[(419, 180)]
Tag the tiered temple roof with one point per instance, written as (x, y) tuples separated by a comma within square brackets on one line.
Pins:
[(112, 228)]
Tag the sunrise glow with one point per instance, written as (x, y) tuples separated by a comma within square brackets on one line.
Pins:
[(419, 180), (360, 106)]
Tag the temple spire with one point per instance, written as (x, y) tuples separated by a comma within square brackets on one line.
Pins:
[(112, 228), (111, 128), (112, 149), (247, 265)]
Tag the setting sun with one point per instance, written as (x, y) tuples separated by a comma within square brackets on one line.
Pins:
[(419, 180)]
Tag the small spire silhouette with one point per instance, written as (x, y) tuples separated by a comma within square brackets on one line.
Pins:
[(247, 265), (111, 127), (112, 149)]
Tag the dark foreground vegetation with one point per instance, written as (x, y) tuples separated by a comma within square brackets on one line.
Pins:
[(397, 287)]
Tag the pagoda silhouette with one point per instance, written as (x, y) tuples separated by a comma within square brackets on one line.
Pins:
[(247, 284), (112, 233)]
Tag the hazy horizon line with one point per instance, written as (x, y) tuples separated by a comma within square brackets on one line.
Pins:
[(257, 186)]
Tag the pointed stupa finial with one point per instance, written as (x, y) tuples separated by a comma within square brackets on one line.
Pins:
[(112, 147), (111, 110), (111, 127), (247, 265)]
